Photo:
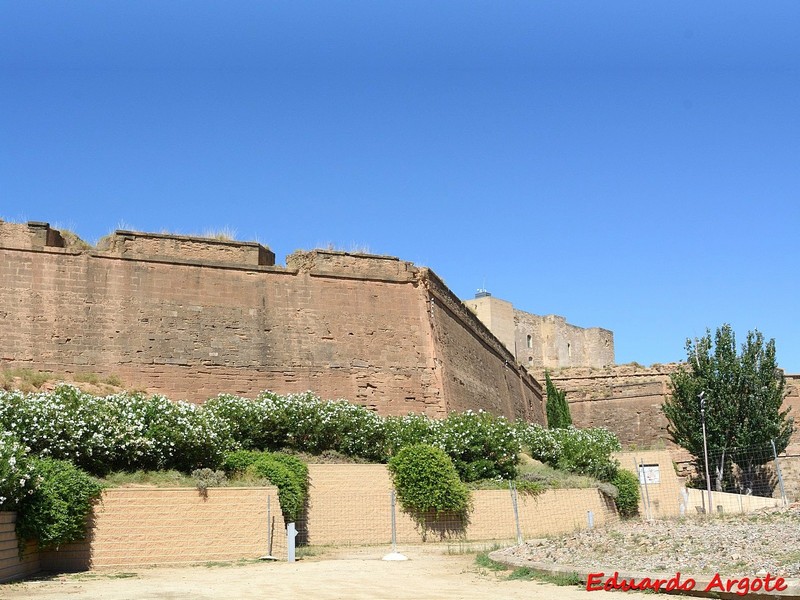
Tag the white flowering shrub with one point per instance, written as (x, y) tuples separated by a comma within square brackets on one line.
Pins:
[(482, 445), (409, 430), (183, 435), (132, 431), (300, 422), (17, 478), (118, 432), (584, 451)]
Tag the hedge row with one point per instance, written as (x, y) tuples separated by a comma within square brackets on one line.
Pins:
[(130, 431)]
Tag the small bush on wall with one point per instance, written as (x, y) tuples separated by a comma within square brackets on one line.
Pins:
[(56, 512), (427, 481), (627, 499), (288, 473)]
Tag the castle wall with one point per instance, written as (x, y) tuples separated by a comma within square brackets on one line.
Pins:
[(191, 318), (477, 370), (498, 316), (543, 341), (556, 344), (625, 399)]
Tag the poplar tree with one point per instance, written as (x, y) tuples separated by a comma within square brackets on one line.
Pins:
[(743, 400)]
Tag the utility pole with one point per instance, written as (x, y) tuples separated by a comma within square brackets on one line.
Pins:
[(702, 397)]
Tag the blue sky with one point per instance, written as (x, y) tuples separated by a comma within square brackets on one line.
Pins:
[(629, 165)]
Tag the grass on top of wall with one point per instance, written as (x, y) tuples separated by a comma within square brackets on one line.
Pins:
[(32, 380), (165, 479), (532, 470)]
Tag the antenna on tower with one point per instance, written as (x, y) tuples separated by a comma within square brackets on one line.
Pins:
[(482, 292)]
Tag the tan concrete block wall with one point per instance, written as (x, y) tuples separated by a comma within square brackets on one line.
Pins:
[(12, 566), (665, 496), (350, 504), (141, 526), (730, 503)]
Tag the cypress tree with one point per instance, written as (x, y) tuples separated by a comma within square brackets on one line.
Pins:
[(557, 408)]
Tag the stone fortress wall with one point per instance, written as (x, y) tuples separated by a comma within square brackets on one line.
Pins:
[(543, 342), (193, 317)]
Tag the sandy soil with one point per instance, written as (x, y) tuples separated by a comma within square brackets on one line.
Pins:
[(351, 574)]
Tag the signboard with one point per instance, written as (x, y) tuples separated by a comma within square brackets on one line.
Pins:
[(649, 474)]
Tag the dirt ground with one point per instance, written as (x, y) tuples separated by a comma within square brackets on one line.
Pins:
[(352, 573)]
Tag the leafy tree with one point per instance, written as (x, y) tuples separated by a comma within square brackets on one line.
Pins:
[(557, 408), (743, 397)]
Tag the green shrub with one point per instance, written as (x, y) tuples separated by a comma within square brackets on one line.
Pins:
[(290, 476), (56, 512), (426, 481), (627, 499), (239, 461)]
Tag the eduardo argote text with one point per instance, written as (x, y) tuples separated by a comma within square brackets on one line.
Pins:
[(741, 586)]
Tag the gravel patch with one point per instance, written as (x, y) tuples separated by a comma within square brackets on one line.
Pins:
[(767, 541)]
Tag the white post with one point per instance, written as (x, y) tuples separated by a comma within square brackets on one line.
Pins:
[(291, 533)]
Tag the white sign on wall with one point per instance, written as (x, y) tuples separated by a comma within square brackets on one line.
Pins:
[(649, 474)]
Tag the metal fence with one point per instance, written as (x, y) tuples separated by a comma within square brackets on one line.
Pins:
[(352, 504)]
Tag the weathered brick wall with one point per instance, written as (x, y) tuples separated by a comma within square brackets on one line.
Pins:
[(12, 565), (192, 326), (131, 244), (144, 526), (626, 399)]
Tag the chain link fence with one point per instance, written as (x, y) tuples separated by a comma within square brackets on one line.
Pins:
[(352, 504)]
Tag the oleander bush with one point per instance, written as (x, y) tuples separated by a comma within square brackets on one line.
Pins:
[(117, 432), (583, 451), (481, 445), (130, 431), (17, 478)]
